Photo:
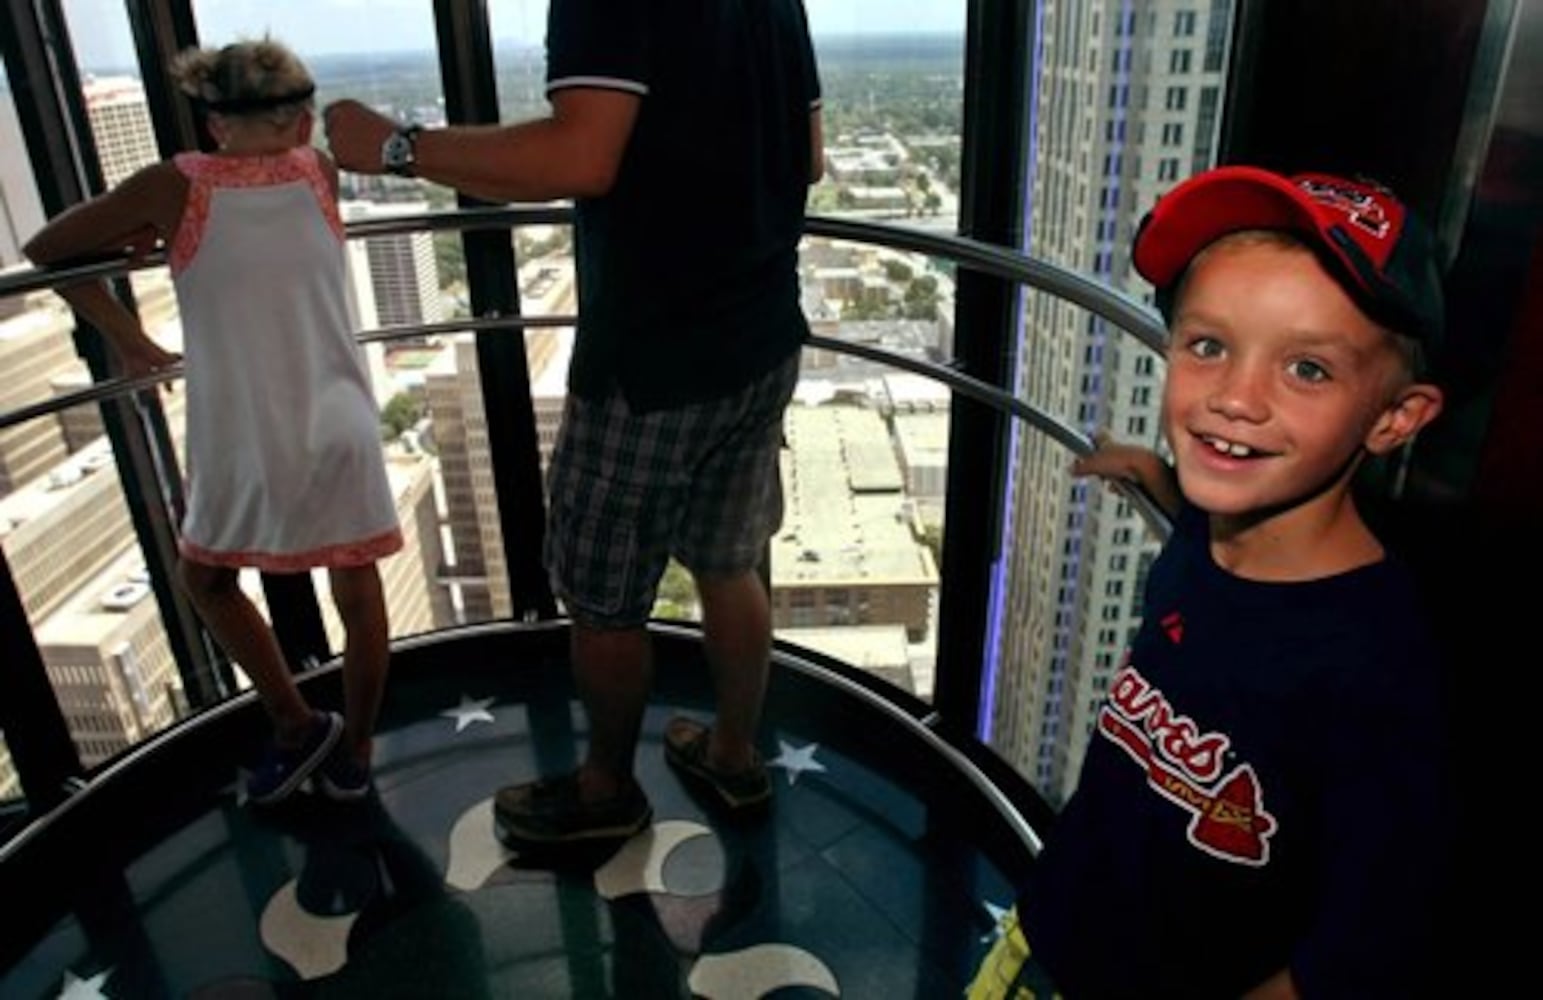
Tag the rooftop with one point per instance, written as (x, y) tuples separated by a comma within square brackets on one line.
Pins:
[(847, 520)]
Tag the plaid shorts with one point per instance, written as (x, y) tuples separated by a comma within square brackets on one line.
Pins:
[(628, 490)]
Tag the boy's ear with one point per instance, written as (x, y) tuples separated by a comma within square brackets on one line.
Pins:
[(1412, 408)]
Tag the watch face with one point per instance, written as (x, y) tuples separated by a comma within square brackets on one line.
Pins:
[(396, 154)]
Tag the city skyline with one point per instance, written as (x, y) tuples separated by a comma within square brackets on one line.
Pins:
[(893, 115), (100, 34), (870, 613)]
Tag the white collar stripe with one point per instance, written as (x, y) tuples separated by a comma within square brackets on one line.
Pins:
[(603, 82)]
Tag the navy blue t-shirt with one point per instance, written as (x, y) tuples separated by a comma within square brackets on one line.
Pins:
[(687, 268), (1265, 788)]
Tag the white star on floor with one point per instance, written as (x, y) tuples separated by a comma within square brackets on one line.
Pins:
[(795, 762), (75, 988), (997, 913), (469, 711)]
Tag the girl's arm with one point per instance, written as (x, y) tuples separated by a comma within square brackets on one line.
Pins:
[(147, 204), (150, 199), (138, 354)]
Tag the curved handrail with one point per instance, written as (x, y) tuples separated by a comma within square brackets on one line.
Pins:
[(984, 392), (1125, 312), (1137, 319), (1121, 310)]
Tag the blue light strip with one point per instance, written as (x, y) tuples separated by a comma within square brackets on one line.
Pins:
[(999, 567)]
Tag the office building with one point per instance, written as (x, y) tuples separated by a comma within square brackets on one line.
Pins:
[(849, 551), (70, 546), (454, 394), (38, 356), (1128, 103), (109, 661), (403, 271), (120, 126)]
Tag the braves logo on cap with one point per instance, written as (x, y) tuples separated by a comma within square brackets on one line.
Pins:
[(1379, 251), (1360, 204)]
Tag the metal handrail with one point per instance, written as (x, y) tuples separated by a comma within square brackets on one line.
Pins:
[(1123, 311)]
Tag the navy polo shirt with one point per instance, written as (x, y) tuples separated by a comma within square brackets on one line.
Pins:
[(1265, 788), (687, 268)]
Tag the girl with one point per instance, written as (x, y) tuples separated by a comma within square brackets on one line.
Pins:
[(285, 471)]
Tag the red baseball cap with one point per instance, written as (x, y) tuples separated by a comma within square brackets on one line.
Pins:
[(1379, 251)]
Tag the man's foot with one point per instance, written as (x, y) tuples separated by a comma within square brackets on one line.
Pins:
[(284, 769), (685, 748), (549, 813), (342, 779)]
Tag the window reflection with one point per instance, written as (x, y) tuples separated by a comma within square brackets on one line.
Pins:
[(1123, 107), (73, 555), (10, 781), (893, 83)]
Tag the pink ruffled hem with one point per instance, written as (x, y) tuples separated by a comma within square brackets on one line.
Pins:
[(345, 556)]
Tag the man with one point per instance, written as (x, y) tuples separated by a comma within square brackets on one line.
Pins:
[(688, 135)]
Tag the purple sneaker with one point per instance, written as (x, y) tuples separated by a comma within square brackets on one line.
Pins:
[(341, 779), (282, 769)]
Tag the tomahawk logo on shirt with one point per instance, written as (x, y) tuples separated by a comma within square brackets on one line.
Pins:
[(1227, 815)]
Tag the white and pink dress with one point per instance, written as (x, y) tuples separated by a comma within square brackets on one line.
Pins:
[(285, 468)]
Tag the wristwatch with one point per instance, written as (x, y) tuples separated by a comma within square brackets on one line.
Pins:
[(399, 153)]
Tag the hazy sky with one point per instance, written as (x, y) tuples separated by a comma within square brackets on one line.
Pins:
[(315, 27)]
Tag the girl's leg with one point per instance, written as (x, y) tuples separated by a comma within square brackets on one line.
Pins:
[(248, 639), (366, 654)]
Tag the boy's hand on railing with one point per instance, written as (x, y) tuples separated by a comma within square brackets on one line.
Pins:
[(1115, 462), (1112, 460)]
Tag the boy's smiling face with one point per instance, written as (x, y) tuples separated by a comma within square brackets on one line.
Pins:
[(1276, 382)]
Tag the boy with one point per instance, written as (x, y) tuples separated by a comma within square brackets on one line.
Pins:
[(1261, 809)]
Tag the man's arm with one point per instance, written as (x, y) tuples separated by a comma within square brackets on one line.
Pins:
[(573, 153)]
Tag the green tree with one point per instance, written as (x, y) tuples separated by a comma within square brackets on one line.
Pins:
[(677, 596), (823, 198), (897, 270), (400, 412), (866, 309), (921, 298), (450, 256), (559, 241), (932, 537)]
